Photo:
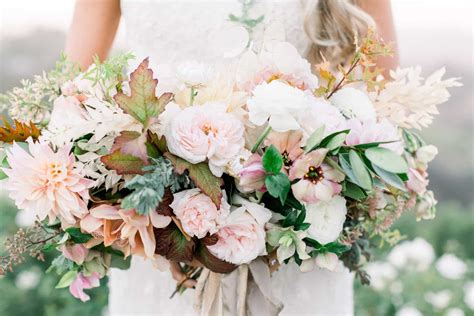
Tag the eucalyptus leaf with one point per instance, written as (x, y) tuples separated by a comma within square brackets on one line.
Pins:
[(336, 142), (386, 159), (390, 178), (370, 145), (328, 138), (354, 192), (346, 166), (315, 139), (361, 173)]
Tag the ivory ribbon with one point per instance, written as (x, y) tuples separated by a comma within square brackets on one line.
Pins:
[(243, 292)]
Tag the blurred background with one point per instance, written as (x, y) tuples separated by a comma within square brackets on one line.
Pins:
[(430, 273)]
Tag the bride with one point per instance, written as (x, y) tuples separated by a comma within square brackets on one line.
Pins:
[(171, 31)]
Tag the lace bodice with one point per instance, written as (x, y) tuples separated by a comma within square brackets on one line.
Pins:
[(170, 31)]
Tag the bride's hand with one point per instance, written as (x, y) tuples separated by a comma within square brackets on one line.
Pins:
[(180, 276)]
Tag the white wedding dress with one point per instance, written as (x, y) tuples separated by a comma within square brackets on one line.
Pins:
[(170, 31)]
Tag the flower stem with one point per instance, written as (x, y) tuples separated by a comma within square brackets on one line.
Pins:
[(191, 97), (261, 138)]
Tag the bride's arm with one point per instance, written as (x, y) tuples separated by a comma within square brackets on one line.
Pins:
[(381, 12), (92, 30)]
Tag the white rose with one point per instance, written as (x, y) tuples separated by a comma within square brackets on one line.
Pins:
[(426, 153), (194, 74), (354, 103), (326, 219), (279, 103)]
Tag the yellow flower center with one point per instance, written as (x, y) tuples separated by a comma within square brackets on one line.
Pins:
[(314, 174)]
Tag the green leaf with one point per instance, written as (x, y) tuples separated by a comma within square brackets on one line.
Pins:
[(390, 178), (370, 145), (336, 142), (346, 167), (328, 138), (361, 173), (77, 236), (278, 186), (142, 104), (386, 159), (315, 139), (290, 219), (354, 191), (123, 163), (120, 262), (201, 176), (66, 279), (212, 262), (272, 160), (3, 164), (337, 248)]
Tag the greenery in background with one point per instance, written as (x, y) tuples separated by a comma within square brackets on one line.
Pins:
[(29, 290), (450, 232)]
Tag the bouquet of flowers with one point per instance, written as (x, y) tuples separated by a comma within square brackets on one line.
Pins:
[(217, 165)]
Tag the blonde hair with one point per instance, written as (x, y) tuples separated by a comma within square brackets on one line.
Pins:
[(331, 25)]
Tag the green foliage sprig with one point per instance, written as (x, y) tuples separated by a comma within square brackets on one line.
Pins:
[(149, 188)]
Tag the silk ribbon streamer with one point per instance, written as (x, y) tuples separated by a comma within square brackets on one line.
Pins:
[(244, 292)]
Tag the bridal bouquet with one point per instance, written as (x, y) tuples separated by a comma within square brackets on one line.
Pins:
[(217, 165)]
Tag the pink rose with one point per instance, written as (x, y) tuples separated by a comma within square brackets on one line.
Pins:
[(205, 132), (242, 236), (197, 213), (252, 175), (82, 283), (364, 132)]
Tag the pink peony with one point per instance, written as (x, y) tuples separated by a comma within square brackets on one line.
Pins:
[(242, 236), (252, 175), (82, 283), (205, 132), (47, 183), (318, 181), (76, 252), (364, 132), (197, 213)]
